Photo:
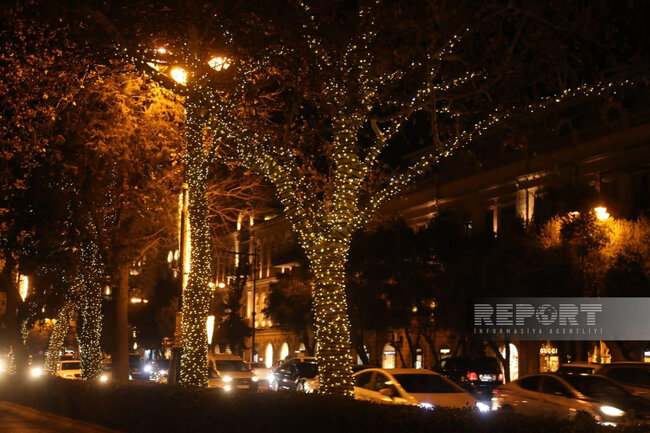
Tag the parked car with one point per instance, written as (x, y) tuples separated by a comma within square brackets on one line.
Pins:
[(566, 396), (69, 369), (479, 375), (230, 372), (137, 369), (298, 374), (634, 376), (578, 368), (412, 386)]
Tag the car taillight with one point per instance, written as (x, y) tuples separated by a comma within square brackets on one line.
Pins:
[(472, 376), (500, 377), (496, 391)]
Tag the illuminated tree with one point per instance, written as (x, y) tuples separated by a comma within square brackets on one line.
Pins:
[(316, 94), (334, 87)]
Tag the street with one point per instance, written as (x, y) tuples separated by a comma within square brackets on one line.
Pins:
[(20, 419)]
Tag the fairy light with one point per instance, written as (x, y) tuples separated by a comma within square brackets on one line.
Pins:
[(323, 223), (59, 332)]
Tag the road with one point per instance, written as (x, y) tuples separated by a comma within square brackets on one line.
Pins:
[(21, 419)]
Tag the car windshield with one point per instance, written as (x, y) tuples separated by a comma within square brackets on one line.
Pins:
[(232, 365), (163, 363), (134, 360), (258, 365), (425, 384), (71, 366), (307, 369), (483, 364), (575, 369), (594, 386)]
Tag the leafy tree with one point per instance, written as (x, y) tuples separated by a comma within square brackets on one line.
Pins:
[(233, 330)]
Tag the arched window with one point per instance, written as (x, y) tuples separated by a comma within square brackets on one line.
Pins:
[(514, 361), (419, 357), (302, 348), (268, 355), (388, 356), (284, 350)]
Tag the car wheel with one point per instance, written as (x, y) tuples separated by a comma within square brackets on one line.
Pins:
[(300, 386)]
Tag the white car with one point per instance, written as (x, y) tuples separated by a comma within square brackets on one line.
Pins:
[(264, 373), (230, 372), (412, 386), (69, 369), (569, 395)]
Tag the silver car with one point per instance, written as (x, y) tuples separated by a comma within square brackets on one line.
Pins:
[(570, 395)]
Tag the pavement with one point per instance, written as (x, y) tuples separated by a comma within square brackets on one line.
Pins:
[(20, 419)]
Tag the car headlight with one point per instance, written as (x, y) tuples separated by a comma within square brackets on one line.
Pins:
[(227, 379), (227, 388), (426, 405), (147, 368), (103, 378), (482, 407), (162, 372), (255, 379), (611, 411), (36, 371)]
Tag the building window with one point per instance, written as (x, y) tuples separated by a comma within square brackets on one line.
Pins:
[(388, 356), (513, 363), (284, 351), (445, 352), (419, 358), (268, 355)]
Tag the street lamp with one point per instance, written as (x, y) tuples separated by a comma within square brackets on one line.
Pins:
[(601, 213)]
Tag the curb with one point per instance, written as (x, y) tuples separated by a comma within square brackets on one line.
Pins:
[(58, 421)]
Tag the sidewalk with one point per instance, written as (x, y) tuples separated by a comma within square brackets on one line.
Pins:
[(21, 419)]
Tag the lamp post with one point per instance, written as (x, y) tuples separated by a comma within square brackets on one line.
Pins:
[(192, 76)]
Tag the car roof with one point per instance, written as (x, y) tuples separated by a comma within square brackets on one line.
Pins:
[(627, 363), (399, 371), (581, 364), (224, 357)]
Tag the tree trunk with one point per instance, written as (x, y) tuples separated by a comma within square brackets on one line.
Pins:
[(57, 337), (90, 351), (331, 316), (197, 294), (120, 356), (11, 317)]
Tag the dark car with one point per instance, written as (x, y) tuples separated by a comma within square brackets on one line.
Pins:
[(137, 368), (293, 374), (479, 375), (634, 376)]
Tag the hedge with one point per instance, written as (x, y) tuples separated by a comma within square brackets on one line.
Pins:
[(149, 407)]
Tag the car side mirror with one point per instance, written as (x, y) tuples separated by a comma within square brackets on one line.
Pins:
[(387, 392)]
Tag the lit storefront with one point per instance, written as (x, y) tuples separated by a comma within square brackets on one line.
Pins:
[(549, 360)]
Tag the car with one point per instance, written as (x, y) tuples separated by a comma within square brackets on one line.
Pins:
[(69, 369), (160, 370), (479, 375), (264, 373), (137, 368), (230, 372), (634, 376), (578, 368), (566, 396), (412, 386), (297, 374)]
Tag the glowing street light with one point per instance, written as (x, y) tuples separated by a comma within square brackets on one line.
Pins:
[(218, 63), (179, 75), (601, 213)]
